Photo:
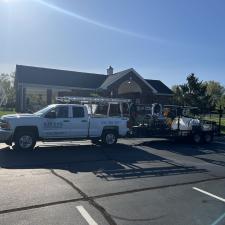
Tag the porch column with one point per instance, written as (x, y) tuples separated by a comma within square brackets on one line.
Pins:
[(18, 97), (23, 103), (49, 96)]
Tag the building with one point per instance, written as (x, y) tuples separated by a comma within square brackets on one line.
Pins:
[(37, 87)]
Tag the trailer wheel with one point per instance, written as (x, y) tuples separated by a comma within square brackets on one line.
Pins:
[(197, 138), (109, 138), (25, 140), (208, 138)]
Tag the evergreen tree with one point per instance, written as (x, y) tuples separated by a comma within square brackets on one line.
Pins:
[(193, 93)]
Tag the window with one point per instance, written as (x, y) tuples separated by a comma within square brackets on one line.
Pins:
[(114, 110), (58, 112), (78, 112), (102, 109), (62, 112)]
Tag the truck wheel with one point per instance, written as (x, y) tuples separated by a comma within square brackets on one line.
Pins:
[(197, 138), (208, 138), (25, 140), (109, 138)]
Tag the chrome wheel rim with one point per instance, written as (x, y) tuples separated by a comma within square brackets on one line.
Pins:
[(110, 139), (25, 141)]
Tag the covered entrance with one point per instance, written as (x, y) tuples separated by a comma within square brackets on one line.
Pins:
[(130, 89)]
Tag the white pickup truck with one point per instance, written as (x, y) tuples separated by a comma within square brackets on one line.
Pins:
[(60, 121)]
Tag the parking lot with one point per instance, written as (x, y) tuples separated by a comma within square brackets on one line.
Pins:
[(139, 181)]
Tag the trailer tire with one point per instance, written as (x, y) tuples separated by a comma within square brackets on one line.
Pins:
[(25, 140), (197, 138), (208, 138), (109, 137)]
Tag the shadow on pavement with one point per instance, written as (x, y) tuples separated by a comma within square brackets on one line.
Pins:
[(115, 163), (205, 152), (138, 220)]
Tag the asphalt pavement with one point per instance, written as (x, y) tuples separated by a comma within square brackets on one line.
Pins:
[(138, 181)]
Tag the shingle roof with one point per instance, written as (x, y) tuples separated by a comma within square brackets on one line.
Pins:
[(159, 86), (44, 76), (112, 78)]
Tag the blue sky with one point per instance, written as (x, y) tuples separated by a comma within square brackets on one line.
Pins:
[(160, 39)]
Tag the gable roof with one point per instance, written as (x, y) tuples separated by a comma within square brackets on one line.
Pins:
[(113, 78), (116, 76), (45, 76), (160, 87)]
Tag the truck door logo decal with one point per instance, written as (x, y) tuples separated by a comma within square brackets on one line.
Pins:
[(50, 124)]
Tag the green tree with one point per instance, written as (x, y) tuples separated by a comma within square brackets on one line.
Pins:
[(178, 97), (216, 92), (221, 102), (7, 83), (193, 93)]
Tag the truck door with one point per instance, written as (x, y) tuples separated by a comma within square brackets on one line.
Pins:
[(79, 122), (56, 123)]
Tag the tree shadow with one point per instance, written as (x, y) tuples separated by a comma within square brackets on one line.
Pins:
[(138, 219), (114, 163), (197, 151)]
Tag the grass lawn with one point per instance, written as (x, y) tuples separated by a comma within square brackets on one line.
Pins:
[(6, 112), (215, 118)]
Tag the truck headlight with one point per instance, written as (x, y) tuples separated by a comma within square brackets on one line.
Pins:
[(4, 125)]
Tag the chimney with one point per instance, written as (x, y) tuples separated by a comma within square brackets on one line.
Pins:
[(110, 71)]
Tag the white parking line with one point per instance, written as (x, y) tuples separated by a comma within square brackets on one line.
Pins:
[(218, 220), (86, 215), (209, 194)]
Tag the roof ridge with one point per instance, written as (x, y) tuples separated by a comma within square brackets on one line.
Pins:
[(122, 71), (154, 79), (62, 70)]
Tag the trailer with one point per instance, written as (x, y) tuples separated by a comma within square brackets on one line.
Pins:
[(173, 122)]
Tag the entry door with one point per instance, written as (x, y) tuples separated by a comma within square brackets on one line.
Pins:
[(56, 123), (79, 122)]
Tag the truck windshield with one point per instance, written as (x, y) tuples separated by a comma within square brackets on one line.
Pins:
[(44, 110)]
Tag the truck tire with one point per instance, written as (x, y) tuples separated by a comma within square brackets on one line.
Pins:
[(197, 138), (25, 140), (208, 138), (109, 138)]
